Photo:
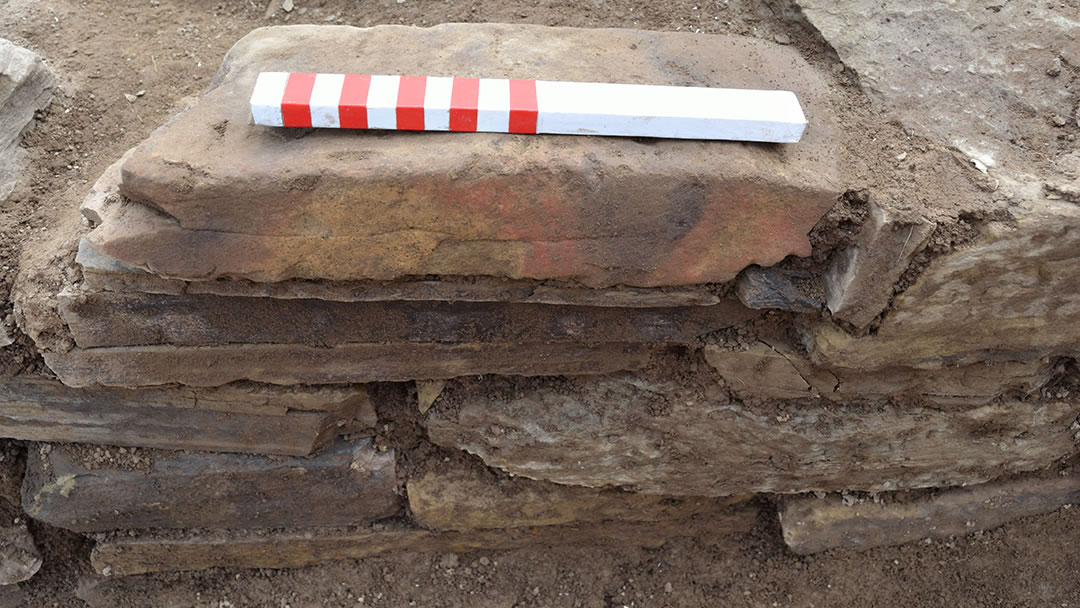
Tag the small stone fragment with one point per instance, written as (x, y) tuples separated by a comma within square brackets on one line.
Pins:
[(19, 556), (427, 391), (859, 282), (764, 288), (782, 38), (287, 5), (131, 98)]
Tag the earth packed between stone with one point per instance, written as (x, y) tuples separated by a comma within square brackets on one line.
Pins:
[(212, 195)]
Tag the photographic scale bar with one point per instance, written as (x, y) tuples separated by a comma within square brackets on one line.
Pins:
[(500, 105)]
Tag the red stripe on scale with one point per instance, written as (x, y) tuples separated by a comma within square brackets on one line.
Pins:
[(410, 103), (523, 109), (464, 99), (352, 106), (296, 102)]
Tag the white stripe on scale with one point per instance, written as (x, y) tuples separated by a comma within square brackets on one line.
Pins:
[(493, 105), (325, 97), (266, 98), (437, 103), (382, 102), (665, 111)]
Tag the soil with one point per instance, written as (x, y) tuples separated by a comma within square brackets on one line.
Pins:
[(166, 51)]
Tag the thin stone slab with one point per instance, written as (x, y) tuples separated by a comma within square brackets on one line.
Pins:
[(125, 555), (812, 524), (102, 273), (127, 319), (476, 500), (134, 366), (346, 484), (226, 419), (680, 439), (216, 196)]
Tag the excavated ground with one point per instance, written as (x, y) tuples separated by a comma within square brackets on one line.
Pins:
[(165, 51)]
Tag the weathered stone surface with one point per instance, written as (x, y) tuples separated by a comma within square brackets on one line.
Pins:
[(229, 419), (134, 366), (19, 556), (102, 273), (473, 500), (972, 78), (764, 288), (774, 370), (242, 201), (105, 192), (759, 370), (1013, 295), (672, 438), (124, 555), (859, 282), (812, 525), (25, 87), (348, 483), (128, 319)]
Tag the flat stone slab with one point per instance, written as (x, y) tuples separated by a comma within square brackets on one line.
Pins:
[(474, 500), (134, 366), (284, 421), (102, 273), (127, 319), (812, 524), (125, 555), (687, 438), (348, 483), (215, 196)]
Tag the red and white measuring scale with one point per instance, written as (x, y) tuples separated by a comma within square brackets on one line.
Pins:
[(500, 105)]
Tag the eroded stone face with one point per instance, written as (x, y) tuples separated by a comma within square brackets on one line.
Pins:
[(1013, 295), (215, 196), (675, 438)]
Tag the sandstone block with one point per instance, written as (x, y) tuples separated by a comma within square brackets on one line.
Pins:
[(25, 87), (860, 279), (157, 552), (1013, 295), (473, 500), (19, 556), (134, 366), (260, 420), (345, 484), (267, 204), (812, 525), (682, 438), (125, 319)]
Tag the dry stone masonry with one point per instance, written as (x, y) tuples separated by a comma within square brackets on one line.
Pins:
[(281, 347)]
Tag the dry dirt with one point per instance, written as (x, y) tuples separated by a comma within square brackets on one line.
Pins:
[(165, 50)]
